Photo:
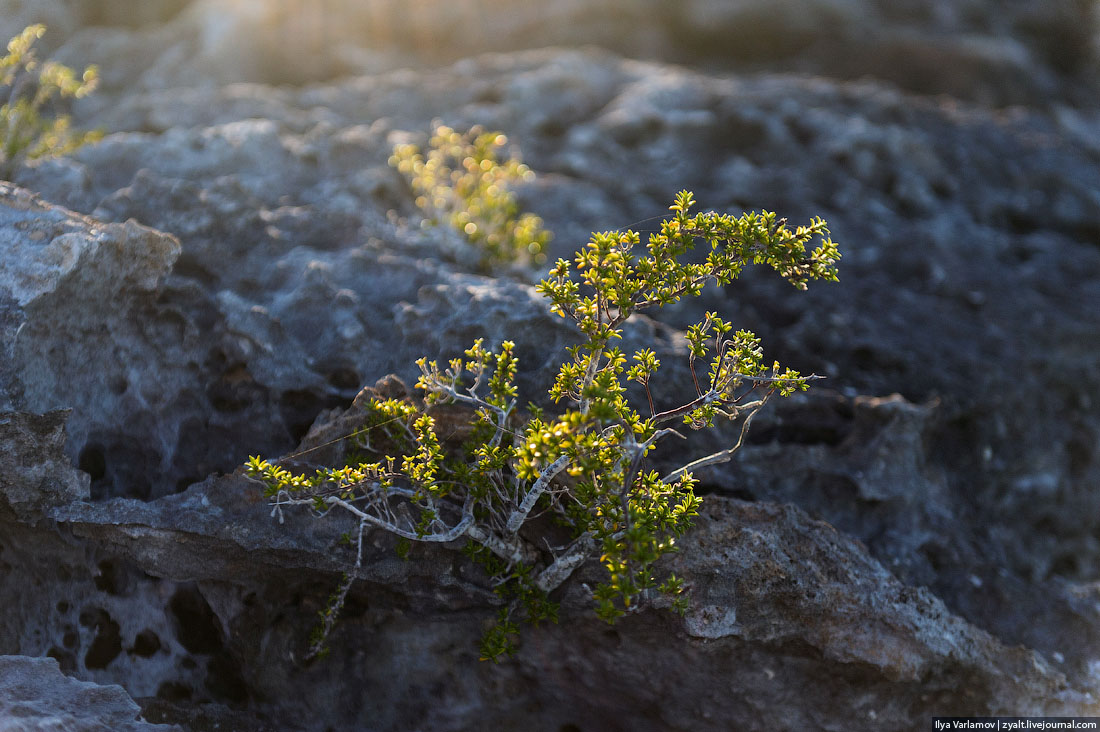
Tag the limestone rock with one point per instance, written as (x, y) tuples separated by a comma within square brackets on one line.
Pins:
[(917, 535), (780, 601), (35, 695), (35, 473)]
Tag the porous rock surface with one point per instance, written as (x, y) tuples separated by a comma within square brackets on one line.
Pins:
[(919, 536), (35, 695), (90, 327)]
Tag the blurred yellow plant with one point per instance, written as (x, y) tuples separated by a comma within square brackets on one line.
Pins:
[(31, 125), (463, 183)]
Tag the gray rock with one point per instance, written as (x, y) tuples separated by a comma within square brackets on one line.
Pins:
[(35, 695), (902, 179), (151, 370), (72, 288), (964, 506), (35, 473), (780, 601), (104, 620)]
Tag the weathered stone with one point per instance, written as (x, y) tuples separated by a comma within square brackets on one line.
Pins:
[(35, 695), (801, 604), (35, 473), (964, 506)]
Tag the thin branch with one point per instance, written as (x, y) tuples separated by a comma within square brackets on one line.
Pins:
[(714, 394), (694, 378), (552, 577), (518, 516), (639, 451), (717, 458), (691, 406), (440, 387), (589, 375), (339, 598), (513, 552), (451, 534)]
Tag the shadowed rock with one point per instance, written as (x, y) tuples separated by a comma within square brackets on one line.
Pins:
[(35, 695), (864, 560)]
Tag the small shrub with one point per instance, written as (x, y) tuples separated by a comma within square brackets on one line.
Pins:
[(31, 124), (585, 464), (463, 183)]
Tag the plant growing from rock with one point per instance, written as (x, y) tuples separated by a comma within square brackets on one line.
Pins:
[(31, 125), (583, 464), (462, 182)]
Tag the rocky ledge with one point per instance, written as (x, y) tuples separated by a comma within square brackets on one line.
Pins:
[(227, 269)]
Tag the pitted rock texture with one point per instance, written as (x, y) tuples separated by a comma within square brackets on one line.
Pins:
[(963, 232), (92, 328), (789, 601), (35, 473), (35, 695), (954, 449)]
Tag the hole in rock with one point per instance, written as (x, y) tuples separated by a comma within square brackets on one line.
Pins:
[(743, 133), (866, 358), (489, 95), (299, 408), (66, 660), (224, 679), (235, 390), (937, 556), (186, 482), (1065, 565), (197, 628), (1079, 450), (199, 632), (344, 378), (943, 188), (551, 128), (174, 691), (70, 638), (632, 135), (93, 462), (1047, 524), (569, 728), (108, 579), (1021, 223), (107, 644), (146, 643), (202, 449), (354, 607), (121, 465)]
